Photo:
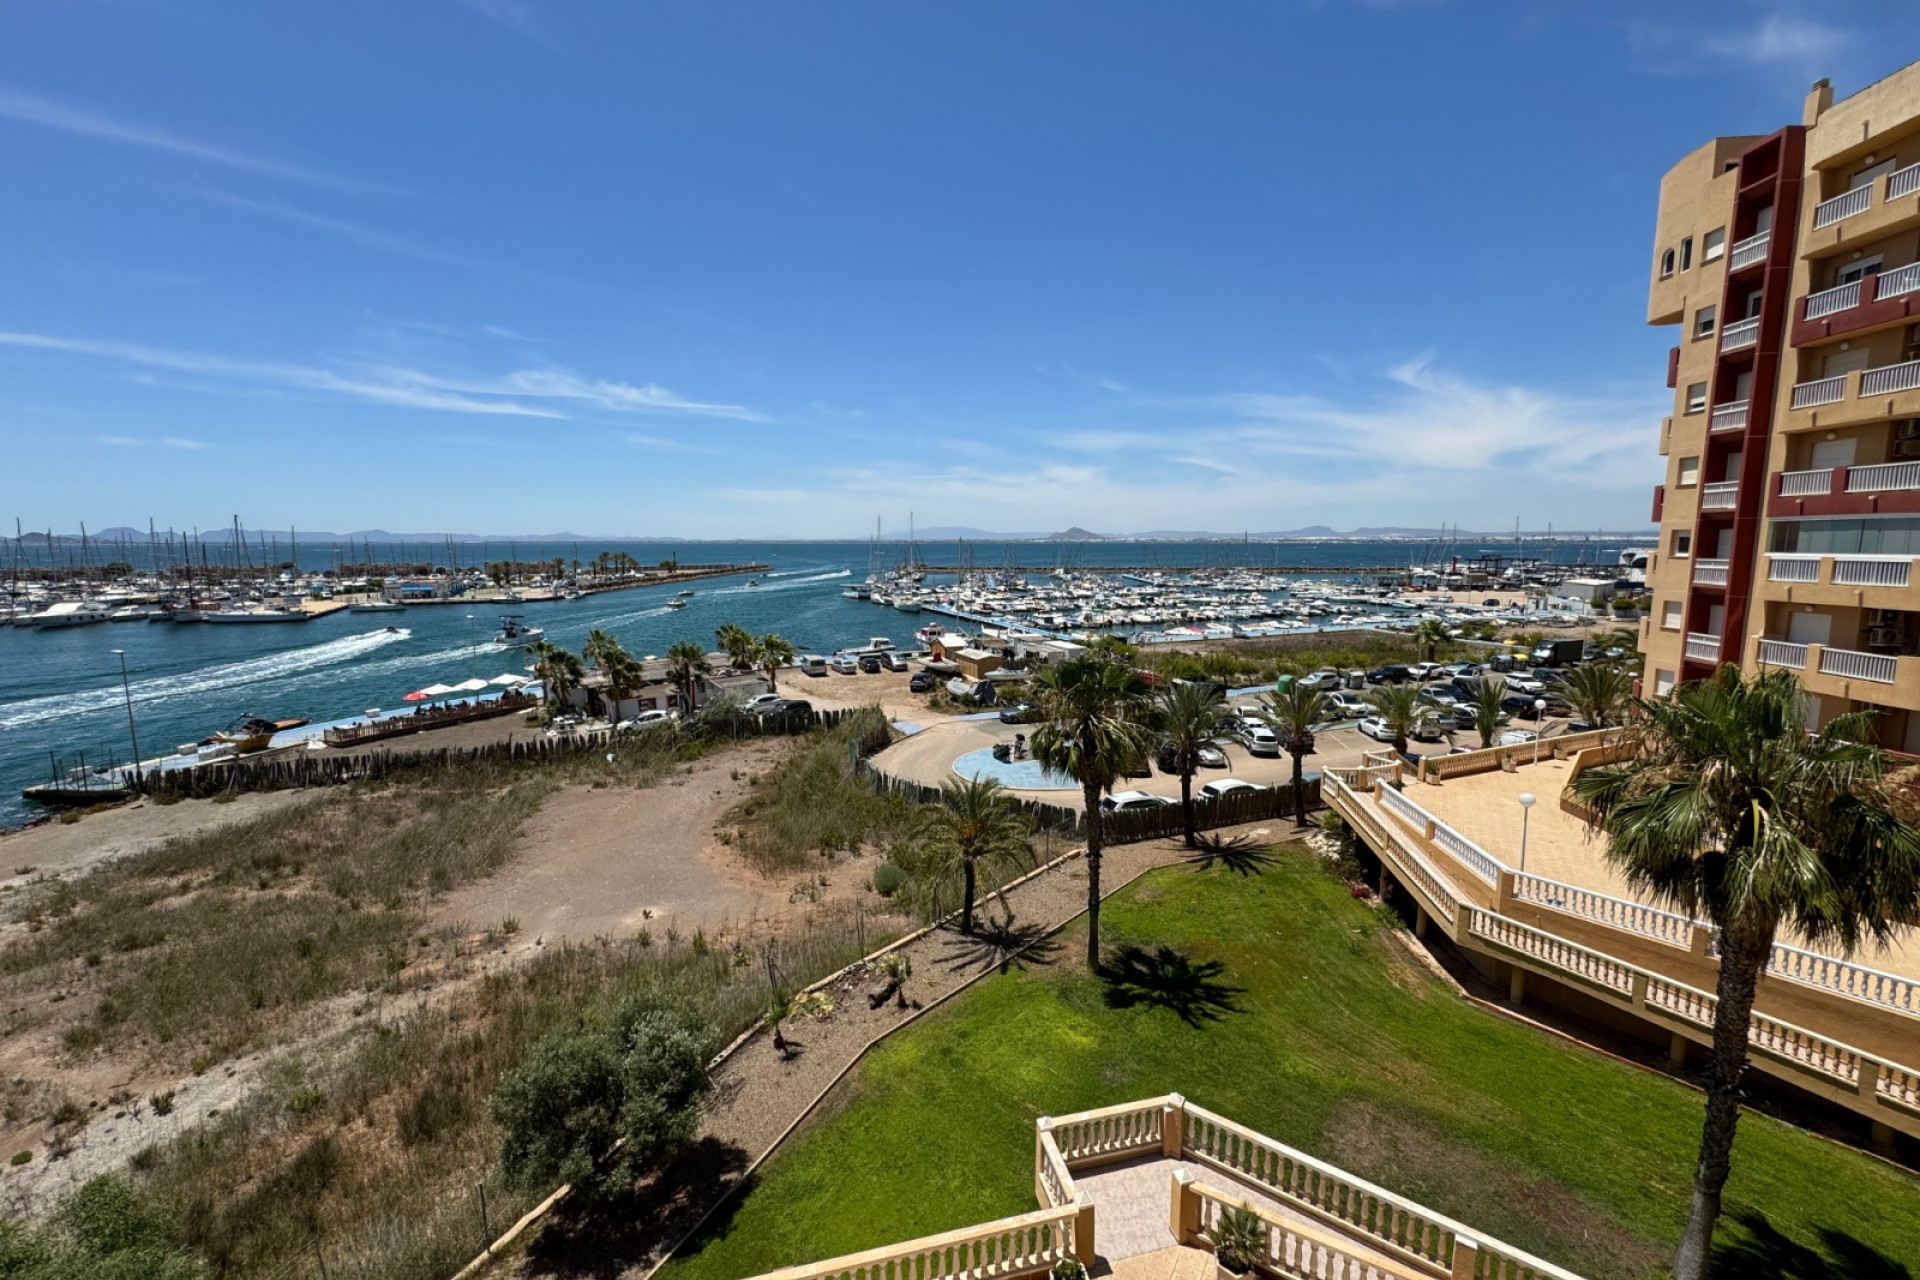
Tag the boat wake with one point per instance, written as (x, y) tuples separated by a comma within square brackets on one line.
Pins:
[(815, 575), (272, 666), (783, 584)]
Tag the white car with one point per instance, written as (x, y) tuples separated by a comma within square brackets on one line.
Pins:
[(1524, 684), (648, 719), (1226, 787), (846, 664), (759, 700), (1121, 801), (1259, 739), (1517, 738), (1321, 680), (1341, 705), (1376, 728), (894, 660), (1423, 670)]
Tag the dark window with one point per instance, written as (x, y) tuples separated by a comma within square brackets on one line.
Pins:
[(1666, 264), (1686, 254)]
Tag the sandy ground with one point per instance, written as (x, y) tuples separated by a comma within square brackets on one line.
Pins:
[(54, 848)]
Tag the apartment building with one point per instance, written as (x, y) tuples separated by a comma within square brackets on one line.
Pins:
[(1790, 513)]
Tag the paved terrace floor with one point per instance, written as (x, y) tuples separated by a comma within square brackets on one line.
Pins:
[(1133, 1208), (1485, 807)]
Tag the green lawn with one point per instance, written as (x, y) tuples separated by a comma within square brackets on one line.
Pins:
[(1317, 1030)]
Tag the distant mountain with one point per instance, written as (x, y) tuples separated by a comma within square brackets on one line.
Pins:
[(950, 532), (1076, 534)]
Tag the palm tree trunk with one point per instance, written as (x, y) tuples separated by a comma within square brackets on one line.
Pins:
[(1091, 794), (966, 909), (1299, 792), (1741, 959), (1186, 808)]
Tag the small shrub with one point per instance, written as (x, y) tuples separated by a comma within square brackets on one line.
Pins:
[(162, 1103), (21, 1157), (70, 817), (887, 879), (433, 1111), (302, 1103), (510, 926)]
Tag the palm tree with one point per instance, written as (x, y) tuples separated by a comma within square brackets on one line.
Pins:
[(559, 671), (1599, 691), (770, 653), (1489, 713), (737, 643), (603, 651), (1430, 635), (686, 663), (1192, 714), (1293, 711), (1095, 714), (1400, 706), (1728, 809), (975, 827)]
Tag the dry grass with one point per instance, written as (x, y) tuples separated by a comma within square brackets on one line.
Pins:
[(812, 803)]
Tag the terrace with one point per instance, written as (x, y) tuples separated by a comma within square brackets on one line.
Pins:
[(1527, 890)]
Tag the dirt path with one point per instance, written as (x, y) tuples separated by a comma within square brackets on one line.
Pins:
[(760, 1093), (56, 848)]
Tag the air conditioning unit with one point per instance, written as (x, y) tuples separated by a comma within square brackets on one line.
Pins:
[(1906, 438), (1885, 618), (1888, 637)]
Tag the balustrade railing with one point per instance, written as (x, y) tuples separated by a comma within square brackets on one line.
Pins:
[(1828, 301), (1903, 182), (1809, 395), (1470, 855), (1407, 811), (1291, 1248), (1900, 280), (1731, 416), (1025, 1245), (1739, 336), (1784, 653), (1890, 378), (1632, 917), (1863, 571), (1793, 568), (1749, 251), (1844, 205), (1710, 573), (1703, 648), (1883, 477), (1851, 664), (1802, 484), (1887, 990), (1722, 495), (1108, 1133)]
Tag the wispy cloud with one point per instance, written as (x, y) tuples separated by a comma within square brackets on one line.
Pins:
[(1778, 41), (512, 14), (368, 237), (86, 122), (509, 393), (1782, 39), (141, 442)]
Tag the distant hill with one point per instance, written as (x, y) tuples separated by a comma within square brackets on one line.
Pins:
[(1076, 534)]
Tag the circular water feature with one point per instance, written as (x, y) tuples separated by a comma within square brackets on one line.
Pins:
[(1024, 775)]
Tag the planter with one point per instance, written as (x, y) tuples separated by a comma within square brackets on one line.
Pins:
[(1222, 1272)]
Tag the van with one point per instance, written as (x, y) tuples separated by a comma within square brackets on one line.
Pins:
[(813, 664), (845, 664)]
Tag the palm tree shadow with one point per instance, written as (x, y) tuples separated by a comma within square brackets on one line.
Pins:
[(1167, 979), (1239, 854), (1765, 1251), (997, 945)]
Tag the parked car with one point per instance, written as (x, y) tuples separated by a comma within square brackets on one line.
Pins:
[(922, 682), (648, 719), (1019, 713), (1208, 757), (1461, 670), (759, 700), (845, 664), (1423, 670), (1516, 737), (1465, 717), (1520, 682), (1259, 739), (1227, 787), (813, 664), (1328, 679), (1342, 705), (799, 708), (894, 660), (1392, 673), (1123, 801), (870, 663), (1442, 695)]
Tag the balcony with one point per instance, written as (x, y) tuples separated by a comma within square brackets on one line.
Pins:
[(1738, 337), (1702, 647), (1856, 398), (1723, 496), (1782, 653), (1890, 379), (1843, 581), (1847, 204), (1788, 568), (1882, 488), (1871, 302), (1710, 573), (1811, 395), (1852, 664), (1884, 477), (1828, 301), (1806, 484), (1749, 252), (1872, 571), (1731, 416), (1903, 182)]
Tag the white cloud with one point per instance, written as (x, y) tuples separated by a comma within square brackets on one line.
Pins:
[(137, 442), (1780, 38), (369, 237), (85, 122)]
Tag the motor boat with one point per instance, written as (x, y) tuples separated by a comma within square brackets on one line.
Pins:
[(515, 634)]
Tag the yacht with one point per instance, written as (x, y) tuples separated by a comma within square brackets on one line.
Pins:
[(377, 606), (257, 614), (676, 603), (67, 613), (515, 634)]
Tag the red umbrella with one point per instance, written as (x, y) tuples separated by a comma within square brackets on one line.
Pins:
[(415, 696)]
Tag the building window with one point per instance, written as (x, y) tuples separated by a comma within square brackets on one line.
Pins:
[(1696, 397), (1703, 321), (1714, 245), (1666, 264), (1662, 683), (1670, 613), (1687, 474), (1686, 254), (1682, 543)]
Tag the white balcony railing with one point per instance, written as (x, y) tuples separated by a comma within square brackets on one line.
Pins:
[(1720, 497), (1710, 573), (1903, 182), (1844, 205), (1807, 395), (1749, 251), (1872, 571), (1793, 568), (1892, 284), (1738, 337), (1731, 416), (1883, 477), (1783, 653), (1890, 378), (1703, 648), (1806, 484), (1828, 301), (1851, 664)]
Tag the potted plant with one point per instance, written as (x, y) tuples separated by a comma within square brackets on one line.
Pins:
[(1069, 1269), (1239, 1239)]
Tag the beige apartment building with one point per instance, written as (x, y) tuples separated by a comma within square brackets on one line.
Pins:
[(1790, 514)]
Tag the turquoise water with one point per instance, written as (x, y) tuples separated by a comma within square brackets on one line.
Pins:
[(60, 691)]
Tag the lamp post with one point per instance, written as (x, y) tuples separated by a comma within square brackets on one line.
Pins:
[(126, 690), (1539, 725), (1526, 808), (473, 657)]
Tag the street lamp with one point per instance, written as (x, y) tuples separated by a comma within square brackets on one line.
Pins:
[(473, 658), (126, 690), (1539, 725), (1526, 807)]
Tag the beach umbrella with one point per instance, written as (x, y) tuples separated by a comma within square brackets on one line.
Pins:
[(438, 690), (474, 685), (416, 696), (508, 678)]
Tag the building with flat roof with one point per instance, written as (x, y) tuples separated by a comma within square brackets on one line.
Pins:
[(1790, 514)]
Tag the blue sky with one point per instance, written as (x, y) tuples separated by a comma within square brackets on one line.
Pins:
[(776, 269)]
